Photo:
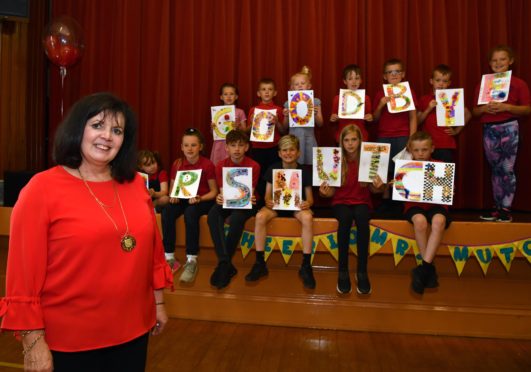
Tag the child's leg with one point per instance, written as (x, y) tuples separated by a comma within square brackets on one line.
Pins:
[(305, 217), (501, 145), (236, 224), (168, 218), (344, 216), (216, 221), (420, 227), (191, 220), (262, 218), (438, 225), (361, 216)]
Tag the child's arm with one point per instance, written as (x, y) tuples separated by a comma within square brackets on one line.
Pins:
[(424, 114), (318, 116), (211, 195), (307, 204), (412, 122), (381, 104), (268, 194), (326, 191), (219, 197), (377, 186), (163, 191)]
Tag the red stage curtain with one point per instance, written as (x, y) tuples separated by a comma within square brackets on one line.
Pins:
[(168, 59)]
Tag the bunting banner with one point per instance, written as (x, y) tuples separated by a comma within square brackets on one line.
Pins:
[(400, 245)]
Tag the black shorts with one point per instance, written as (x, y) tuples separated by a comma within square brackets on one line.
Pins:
[(429, 213)]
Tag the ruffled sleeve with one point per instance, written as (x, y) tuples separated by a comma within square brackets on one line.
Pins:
[(162, 275), (27, 260)]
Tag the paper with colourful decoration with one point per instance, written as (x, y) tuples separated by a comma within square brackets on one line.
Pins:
[(351, 104), (287, 189), (450, 107), (374, 160), (263, 127), (326, 166), (145, 176), (424, 182), (223, 118), (401, 98), (186, 184), (237, 187), (300, 106), (494, 87)]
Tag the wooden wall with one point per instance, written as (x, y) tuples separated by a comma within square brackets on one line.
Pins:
[(23, 92)]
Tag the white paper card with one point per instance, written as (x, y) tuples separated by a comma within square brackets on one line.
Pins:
[(263, 127), (186, 184), (223, 118), (287, 189), (237, 187), (401, 98), (326, 166), (450, 107), (351, 104), (494, 87), (424, 182), (300, 106), (374, 160)]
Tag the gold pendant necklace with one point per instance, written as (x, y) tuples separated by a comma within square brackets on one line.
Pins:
[(127, 241)]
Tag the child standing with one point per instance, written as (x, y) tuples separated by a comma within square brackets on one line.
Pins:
[(351, 202), (228, 94), (237, 144), (500, 134), (265, 153), (149, 163), (302, 81), (420, 215), (352, 81), (393, 128), (288, 150), (443, 137), (194, 208)]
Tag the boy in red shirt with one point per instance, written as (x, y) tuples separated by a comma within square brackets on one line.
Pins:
[(443, 137), (237, 144)]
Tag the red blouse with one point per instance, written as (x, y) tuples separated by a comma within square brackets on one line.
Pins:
[(66, 270)]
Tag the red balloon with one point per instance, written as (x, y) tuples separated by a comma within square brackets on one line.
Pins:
[(63, 41)]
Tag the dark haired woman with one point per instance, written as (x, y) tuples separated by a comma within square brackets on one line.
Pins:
[(86, 268)]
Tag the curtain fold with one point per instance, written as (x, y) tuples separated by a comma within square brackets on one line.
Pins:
[(168, 59)]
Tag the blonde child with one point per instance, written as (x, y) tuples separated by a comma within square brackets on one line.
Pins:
[(194, 208), (228, 94), (500, 134), (352, 80), (149, 162), (423, 214), (443, 137), (288, 151), (351, 202), (302, 81)]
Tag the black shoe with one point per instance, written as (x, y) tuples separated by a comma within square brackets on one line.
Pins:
[(223, 274), (363, 286), (431, 277), (258, 270), (418, 279), (343, 283), (306, 274)]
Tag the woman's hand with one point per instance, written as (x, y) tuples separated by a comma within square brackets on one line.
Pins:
[(162, 320), (39, 357)]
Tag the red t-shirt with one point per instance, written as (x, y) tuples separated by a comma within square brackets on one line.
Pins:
[(276, 136), (393, 125), (207, 167), (441, 140), (352, 192), (518, 95), (342, 123)]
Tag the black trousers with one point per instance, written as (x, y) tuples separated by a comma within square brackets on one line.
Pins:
[(127, 357), (345, 215), (225, 246)]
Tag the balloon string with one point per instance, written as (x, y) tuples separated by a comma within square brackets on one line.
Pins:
[(62, 71)]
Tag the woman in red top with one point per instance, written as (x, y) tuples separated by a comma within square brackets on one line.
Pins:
[(351, 202), (86, 268)]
